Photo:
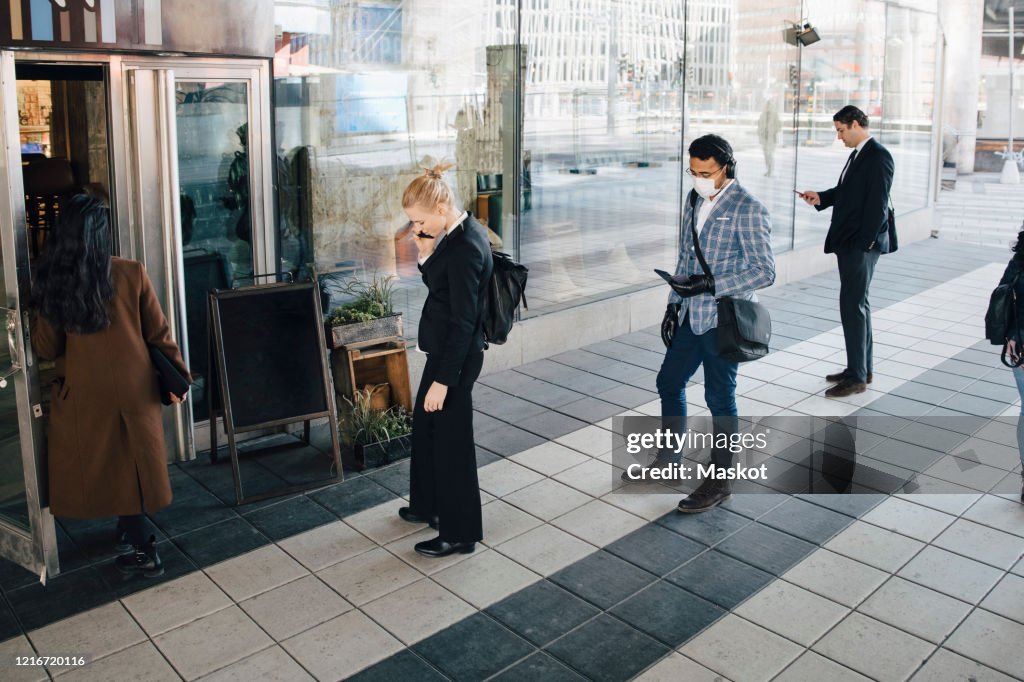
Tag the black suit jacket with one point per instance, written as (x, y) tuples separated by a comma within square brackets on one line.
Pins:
[(456, 275), (860, 203)]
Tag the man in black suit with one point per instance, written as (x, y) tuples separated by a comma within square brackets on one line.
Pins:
[(858, 234), (455, 259)]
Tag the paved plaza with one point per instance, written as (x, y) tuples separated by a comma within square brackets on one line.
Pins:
[(579, 579)]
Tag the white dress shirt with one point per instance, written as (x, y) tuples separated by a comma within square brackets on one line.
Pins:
[(708, 206)]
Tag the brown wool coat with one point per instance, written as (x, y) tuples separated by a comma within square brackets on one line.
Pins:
[(106, 437)]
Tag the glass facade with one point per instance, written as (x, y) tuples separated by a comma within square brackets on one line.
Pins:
[(568, 123)]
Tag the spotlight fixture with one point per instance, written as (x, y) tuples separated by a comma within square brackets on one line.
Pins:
[(801, 35)]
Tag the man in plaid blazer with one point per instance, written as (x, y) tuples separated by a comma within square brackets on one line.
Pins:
[(734, 233)]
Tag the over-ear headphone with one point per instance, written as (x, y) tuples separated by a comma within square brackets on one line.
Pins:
[(730, 160)]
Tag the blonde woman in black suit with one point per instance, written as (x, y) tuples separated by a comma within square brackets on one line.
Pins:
[(455, 259)]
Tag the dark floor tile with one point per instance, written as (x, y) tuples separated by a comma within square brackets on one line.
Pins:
[(9, 626), (720, 578), (582, 359), (352, 496), (707, 528), (538, 668), (930, 435), (176, 565), (973, 405), (880, 423), (925, 393), (607, 649), (668, 613), (900, 407), (542, 612), (219, 479), (509, 441), (293, 464), (551, 424), (485, 457), (193, 507), (590, 410), (13, 576), (473, 649), (753, 506), (946, 418), (62, 597), (552, 395), (854, 505), (655, 549), (394, 477), (508, 409), (768, 549), (953, 382), (999, 392), (960, 368), (906, 455), (404, 665), (602, 579), (291, 517), (221, 541), (807, 521)]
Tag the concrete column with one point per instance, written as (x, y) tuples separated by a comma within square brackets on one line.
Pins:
[(962, 24)]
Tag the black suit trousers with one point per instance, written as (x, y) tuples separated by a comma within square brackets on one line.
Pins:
[(856, 268), (443, 469)]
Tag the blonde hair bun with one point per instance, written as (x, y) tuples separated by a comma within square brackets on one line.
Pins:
[(430, 189)]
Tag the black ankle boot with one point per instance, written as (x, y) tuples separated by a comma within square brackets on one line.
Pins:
[(121, 542), (142, 560)]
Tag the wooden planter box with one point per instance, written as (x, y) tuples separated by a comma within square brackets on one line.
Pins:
[(359, 332), (378, 454)]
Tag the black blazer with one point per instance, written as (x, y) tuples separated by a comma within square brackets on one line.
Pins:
[(860, 203), (1015, 268), (456, 275)]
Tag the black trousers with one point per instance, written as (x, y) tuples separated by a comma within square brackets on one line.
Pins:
[(856, 268), (443, 468)]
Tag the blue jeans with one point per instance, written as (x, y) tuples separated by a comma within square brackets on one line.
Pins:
[(1018, 374), (682, 359)]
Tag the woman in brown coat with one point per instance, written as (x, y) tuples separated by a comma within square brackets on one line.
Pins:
[(95, 315)]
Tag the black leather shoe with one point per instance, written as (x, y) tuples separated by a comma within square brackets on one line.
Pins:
[(707, 495), (439, 548), (142, 560), (846, 387), (839, 376), (412, 517), (121, 543)]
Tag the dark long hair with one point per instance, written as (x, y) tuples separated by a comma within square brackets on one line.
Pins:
[(1018, 248), (72, 281)]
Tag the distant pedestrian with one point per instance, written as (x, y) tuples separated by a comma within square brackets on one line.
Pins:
[(455, 259), (768, 127), (95, 316), (857, 235)]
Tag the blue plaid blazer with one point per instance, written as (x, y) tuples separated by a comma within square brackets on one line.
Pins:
[(737, 244)]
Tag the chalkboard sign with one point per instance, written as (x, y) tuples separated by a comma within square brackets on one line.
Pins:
[(270, 363), (204, 272), (270, 339)]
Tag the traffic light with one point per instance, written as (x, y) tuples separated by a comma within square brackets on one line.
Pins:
[(794, 75)]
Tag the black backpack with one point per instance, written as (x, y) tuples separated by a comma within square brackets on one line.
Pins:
[(1001, 317), (505, 290)]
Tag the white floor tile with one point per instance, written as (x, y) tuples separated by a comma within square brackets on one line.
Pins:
[(792, 612), (97, 632), (295, 607), (326, 545), (140, 662), (991, 640), (836, 577), (549, 458), (503, 522), (599, 523), (212, 642), (676, 668), (951, 574), (382, 524), (873, 648), (270, 664), (812, 667), (982, 543), (875, 546), (417, 611), (486, 578), (546, 549), (910, 519), (255, 572), (342, 647), (368, 576), (946, 666), (547, 499), (761, 655), (918, 610)]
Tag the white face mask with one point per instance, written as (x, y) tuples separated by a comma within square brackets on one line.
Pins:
[(705, 187)]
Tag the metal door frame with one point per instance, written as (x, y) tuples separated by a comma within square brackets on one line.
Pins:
[(36, 548)]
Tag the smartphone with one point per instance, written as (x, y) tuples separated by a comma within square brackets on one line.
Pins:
[(796, 191)]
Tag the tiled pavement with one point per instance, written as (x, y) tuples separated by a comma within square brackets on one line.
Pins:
[(576, 581)]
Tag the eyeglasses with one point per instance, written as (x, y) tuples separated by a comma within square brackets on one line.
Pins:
[(705, 176)]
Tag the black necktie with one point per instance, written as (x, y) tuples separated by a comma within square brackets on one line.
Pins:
[(849, 162)]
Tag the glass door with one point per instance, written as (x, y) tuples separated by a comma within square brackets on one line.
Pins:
[(27, 535), (199, 210)]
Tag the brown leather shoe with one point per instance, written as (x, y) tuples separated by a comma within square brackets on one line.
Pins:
[(708, 494), (845, 388), (839, 376)]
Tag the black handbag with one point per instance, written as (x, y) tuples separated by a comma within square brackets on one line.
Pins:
[(168, 377), (744, 327), (894, 242)]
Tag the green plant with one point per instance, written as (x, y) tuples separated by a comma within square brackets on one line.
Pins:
[(365, 425), (373, 300)]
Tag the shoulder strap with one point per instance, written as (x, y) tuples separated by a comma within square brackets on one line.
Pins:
[(693, 233)]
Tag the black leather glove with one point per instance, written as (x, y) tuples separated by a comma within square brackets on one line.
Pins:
[(669, 323), (694, 285)]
